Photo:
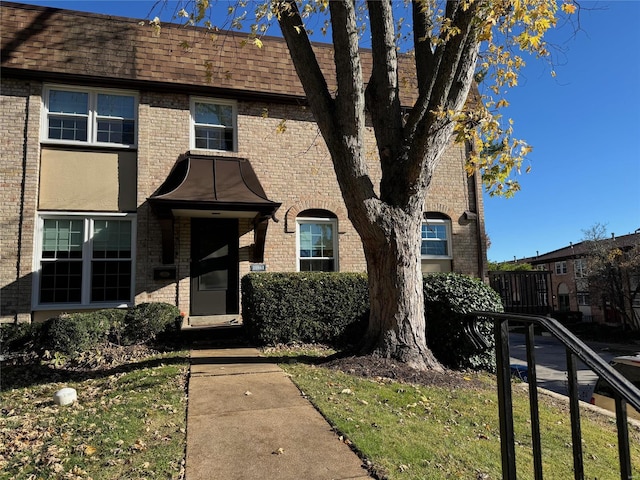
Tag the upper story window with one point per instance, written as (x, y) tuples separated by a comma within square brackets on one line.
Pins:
[(580, 268), (317, 242), (90, 116), (436, 238), (561, 267), (213, 124)]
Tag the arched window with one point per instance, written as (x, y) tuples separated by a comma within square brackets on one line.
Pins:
[(436, 236), (317, 241)]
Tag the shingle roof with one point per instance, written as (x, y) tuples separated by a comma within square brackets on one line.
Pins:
[(63, 42), (580, 249)]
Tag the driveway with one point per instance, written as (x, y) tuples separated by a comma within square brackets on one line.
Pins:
[(551, 362)]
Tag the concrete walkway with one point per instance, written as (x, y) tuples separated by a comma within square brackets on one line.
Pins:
[(247, 420)]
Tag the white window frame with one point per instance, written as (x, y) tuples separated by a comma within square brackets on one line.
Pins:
[(215, 101), (318, 220), (561, 267), (92, 116), (87, 258), (580, 268), (447, 225)]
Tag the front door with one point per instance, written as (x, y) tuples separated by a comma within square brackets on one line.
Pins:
[(214, 266)]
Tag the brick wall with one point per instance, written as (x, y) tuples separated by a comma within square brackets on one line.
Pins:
[(19, 173), (292, 163)]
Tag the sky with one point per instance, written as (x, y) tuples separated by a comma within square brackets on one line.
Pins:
[(584, 126)]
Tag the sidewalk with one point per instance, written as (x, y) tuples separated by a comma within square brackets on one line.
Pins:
[(246, 420)]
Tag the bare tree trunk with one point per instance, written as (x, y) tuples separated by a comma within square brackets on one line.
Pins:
[(397, 318)]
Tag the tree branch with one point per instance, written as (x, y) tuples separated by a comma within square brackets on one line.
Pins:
[(452, 76), (383, 96), (341, 121), (424, 56), (306, 65)]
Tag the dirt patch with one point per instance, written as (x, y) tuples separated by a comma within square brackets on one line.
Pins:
[(376, 367)]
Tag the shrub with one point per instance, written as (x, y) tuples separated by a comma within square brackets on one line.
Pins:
[(310, 307), (19, 337), (74, 332), (448, 299), (146, 321), (115, 319)]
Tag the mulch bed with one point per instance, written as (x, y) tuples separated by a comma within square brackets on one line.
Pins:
[(376, 367)]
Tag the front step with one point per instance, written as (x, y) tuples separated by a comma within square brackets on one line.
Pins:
[(221, 333), (214, 320)]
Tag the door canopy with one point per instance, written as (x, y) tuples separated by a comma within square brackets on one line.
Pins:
[(213, 187)]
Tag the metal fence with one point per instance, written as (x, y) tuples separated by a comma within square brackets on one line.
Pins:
[(624, 392)]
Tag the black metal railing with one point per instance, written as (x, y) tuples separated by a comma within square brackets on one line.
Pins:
[(624, 392)]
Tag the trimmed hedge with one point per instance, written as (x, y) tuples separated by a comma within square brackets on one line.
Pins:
[(309, 307), (449, 297), (83, 331), (146, 321), (17, 337), (74, 332), (332, 308)]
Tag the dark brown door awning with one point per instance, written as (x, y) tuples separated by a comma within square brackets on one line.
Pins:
[(213, 187), (225, 185)]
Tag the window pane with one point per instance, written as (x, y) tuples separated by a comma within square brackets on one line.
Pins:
[(434, 240), (433, 247), (115, 131), (112, 239), (434, 231), (68, 102), (62, 238), (326, 265), (316, 251), (68, 128), (61, 282), (122, 106), (111, 281), (214, 138), (212, 114)]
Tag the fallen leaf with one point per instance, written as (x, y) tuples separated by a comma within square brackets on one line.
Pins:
[(247, 393), (90, 450), (279, 451)]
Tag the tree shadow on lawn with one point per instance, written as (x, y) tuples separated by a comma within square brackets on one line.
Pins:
[(34, 372)]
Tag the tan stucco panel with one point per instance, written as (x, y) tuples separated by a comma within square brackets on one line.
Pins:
[(83, 180), (436, 266)]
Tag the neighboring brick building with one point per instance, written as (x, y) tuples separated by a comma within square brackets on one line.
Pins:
[(570, 287), (142, 167)]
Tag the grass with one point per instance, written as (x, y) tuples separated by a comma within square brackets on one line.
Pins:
[(418, 432), (129, 422)]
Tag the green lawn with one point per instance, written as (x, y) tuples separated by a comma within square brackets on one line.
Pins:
[(129, 422), (418, 432)]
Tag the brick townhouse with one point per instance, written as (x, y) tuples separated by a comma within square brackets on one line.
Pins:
[(569, 284), (142, 166)]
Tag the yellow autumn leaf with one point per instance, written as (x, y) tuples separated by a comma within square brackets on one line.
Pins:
[(568, 8), (257, 42), (90, 450)]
